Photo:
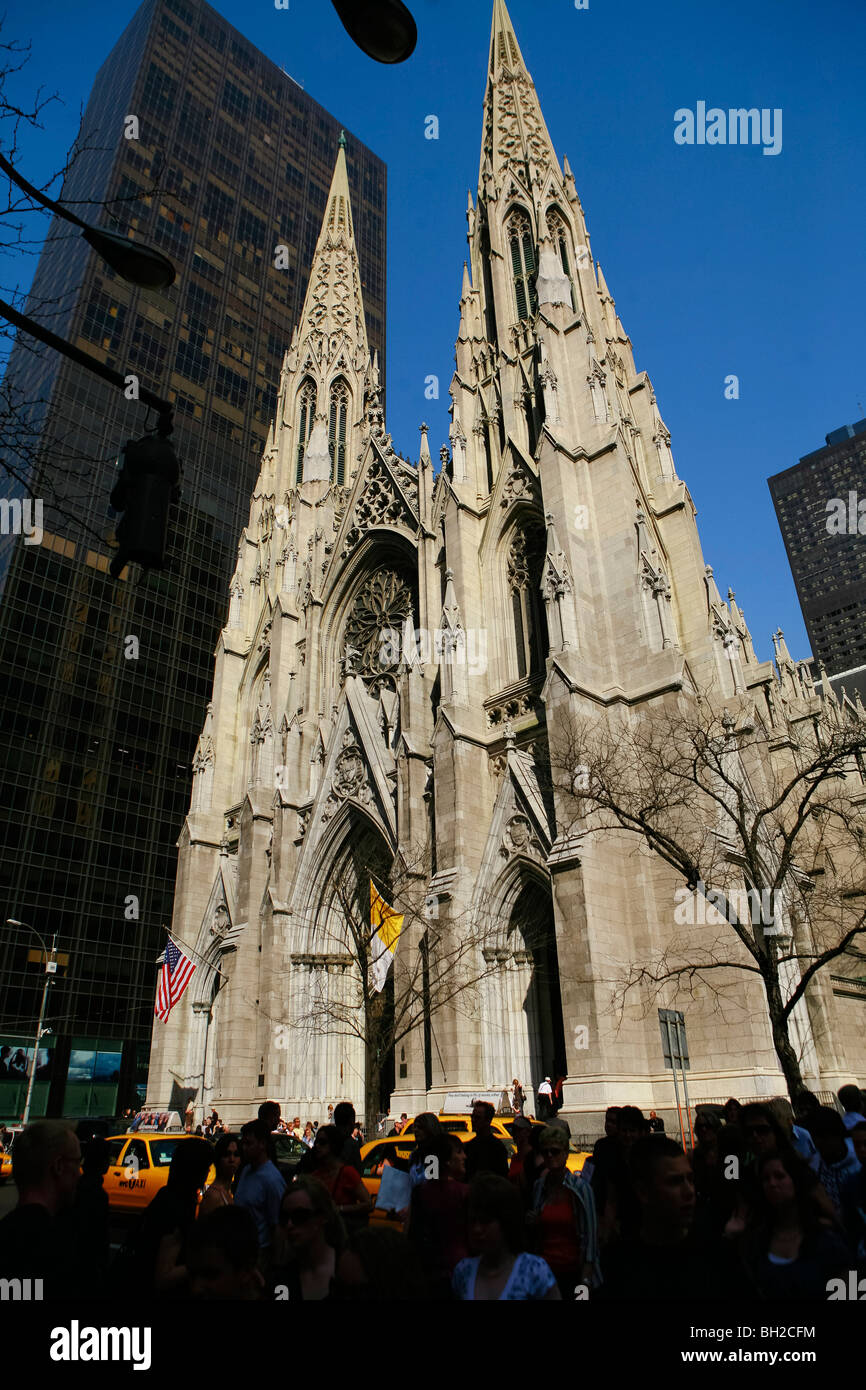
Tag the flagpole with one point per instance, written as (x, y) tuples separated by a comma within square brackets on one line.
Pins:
[(194, 952)]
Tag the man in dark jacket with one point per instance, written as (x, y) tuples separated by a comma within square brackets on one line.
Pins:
[(485, 1153)]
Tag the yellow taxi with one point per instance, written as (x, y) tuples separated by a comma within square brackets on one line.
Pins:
[(5, 1165), (501, 1126), (139, 1168)]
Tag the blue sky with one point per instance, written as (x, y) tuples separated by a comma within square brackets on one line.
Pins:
[(722, 260)]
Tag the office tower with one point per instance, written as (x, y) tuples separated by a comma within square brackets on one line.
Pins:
[(104, 684), (406, 652), (821, 507)]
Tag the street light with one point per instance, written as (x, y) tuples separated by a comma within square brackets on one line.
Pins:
[(140, 265), (50, 969), (384, 29)]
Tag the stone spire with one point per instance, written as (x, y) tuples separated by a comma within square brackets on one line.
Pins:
[(334, 303), (515, 135)]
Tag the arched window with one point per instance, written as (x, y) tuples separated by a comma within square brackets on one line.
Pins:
[(306, 412), (524, 567), (337, 427), (559, 236), (523, 264)]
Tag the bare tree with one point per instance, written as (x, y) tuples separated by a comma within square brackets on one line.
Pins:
[(764, 825), (31, 455)]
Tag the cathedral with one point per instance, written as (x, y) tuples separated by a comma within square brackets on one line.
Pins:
[(402, 640)]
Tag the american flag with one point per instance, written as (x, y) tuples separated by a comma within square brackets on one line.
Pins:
[(174, 977)]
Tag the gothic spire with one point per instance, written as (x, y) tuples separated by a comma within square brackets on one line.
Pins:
[(334, 303), (515, 135)]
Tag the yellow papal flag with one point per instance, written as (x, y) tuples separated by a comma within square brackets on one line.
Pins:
[(387, 926)]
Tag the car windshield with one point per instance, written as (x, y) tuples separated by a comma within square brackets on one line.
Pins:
[(162, 1152), (115, 1149)]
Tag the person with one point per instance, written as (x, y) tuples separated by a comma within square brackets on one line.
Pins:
[(380, 1265), (261, 1185), (853, 1193), (545, 1099), (518, 1099), (559, 1092), (521, 1133), (787, 1250), (341, 1180), (427, 1129), (188, 1116), (269, 1114), (86, 1221), (851, 1102), (400, 1125), (46, 1162), (221, 1257), (5, 1054), (344, 1123), (662, 1260), (564, 1218), (656, 1124), (715, 1193), (330, 1114), (308, 1137), (295, 1127), (485, 1153), (733, 1112), (156, 1265), (501, 1269), (312, 1237), (836, 1159), (436, 1225), (619, 1211), (227, 1162), (796, 1135)]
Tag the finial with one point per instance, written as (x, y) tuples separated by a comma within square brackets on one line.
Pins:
[(510, 740), (342, 140), (424, 428)]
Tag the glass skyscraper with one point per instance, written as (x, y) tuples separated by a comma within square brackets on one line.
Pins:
[(97, 729), (821, 507)]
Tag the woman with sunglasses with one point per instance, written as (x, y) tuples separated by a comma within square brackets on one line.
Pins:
[(564, 1217), (311, 1239), (227, 1162)]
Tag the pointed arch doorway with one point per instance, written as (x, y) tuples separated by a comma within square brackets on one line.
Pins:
[(523, 1024), (335, 1055)]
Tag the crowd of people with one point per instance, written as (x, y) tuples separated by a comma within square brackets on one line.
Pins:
[(763, 1203)]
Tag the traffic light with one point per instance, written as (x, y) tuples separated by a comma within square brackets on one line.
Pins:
[(146, 488)]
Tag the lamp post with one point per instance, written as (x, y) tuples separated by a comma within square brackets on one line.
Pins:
[(383, 29), (138, 264), (50, 969)]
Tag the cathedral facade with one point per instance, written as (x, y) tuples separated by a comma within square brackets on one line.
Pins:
[(401, 643)]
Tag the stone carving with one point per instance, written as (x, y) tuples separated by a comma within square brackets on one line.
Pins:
[(220, 923), (381, 607), (350, 781), (520, 486), (380, 504)]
